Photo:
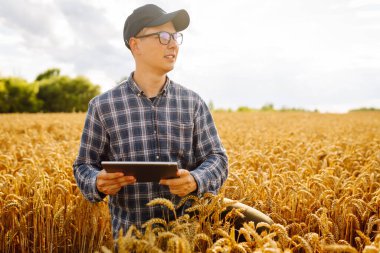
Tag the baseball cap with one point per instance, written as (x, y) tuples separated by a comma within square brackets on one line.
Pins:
[(151, 15)]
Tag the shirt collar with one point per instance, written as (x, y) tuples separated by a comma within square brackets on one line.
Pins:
[(136, 89)]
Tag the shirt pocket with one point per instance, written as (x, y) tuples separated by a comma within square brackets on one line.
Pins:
[(180, 140)]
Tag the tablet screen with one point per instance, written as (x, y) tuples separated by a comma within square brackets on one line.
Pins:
[(143, 171)]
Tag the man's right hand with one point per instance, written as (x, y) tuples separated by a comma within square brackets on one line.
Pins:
[(111, 183)]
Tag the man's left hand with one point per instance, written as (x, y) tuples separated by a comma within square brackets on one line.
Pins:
[(181, 186)]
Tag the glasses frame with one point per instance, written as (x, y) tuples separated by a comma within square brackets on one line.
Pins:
[(171, 35)]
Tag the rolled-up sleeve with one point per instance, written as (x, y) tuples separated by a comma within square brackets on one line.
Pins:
[(93, 149), (209, 153)]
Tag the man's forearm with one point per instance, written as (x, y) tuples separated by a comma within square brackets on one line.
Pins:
[(211, 174), (85, 176)]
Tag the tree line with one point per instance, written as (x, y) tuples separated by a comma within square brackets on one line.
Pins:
[(50, 92)]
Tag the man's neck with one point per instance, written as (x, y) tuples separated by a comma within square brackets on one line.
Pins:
[(150, 83)]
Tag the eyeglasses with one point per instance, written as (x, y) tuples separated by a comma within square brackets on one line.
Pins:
[(165, 37)]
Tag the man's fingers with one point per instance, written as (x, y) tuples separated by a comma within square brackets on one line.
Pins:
[(109, 176), (111, 183), (178, 192), (112, 191), (121, 180), (115, 187), (176, 181), (182, 172), (181, 186), (172, 182), (176, 187), (125, 179)]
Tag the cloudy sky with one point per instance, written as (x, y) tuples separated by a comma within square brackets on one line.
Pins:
[(308, 54)]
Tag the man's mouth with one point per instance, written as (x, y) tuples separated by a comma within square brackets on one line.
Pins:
[(170, 56)]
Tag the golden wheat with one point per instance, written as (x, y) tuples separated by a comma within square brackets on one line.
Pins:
[(316, 175)]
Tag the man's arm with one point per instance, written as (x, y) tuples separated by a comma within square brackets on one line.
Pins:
[(93, 146), (210, 175), (209, 153)]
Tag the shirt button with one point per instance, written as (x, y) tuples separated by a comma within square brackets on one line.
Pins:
[(138, 94), (155, 131), (157, 157)]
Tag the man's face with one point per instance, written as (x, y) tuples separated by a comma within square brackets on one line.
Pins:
[(152, 54)]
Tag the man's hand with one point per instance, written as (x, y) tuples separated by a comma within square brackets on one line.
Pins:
[(181, 186), (111, 183)]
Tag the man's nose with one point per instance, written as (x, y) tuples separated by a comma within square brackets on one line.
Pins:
[(172, 42)]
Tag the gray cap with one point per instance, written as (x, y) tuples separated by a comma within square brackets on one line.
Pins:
[(151, 15)]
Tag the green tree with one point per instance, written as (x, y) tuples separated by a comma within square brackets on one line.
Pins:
[(17, 95), (65, 94), (267, 107), (244, 109), (48, 74), (4, 103), (364, 109)]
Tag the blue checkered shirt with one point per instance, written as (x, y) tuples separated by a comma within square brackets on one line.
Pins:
[(122, 124)]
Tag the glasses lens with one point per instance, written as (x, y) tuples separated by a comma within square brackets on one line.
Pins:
[(164, 38), (178, 37)]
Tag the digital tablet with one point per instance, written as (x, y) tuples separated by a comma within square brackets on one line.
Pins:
[(143, 171)]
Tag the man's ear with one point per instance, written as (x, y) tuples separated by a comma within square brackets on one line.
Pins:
[(134, 45)]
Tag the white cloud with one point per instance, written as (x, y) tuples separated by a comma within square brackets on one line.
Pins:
[(361, 3), (100, 77)]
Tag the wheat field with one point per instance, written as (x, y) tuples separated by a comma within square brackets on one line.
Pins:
[(316, 175)]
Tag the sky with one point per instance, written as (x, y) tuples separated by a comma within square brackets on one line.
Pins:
[(322, 55)]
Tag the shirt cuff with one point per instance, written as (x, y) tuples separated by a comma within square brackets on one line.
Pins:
[(201, 185), (97, 195)]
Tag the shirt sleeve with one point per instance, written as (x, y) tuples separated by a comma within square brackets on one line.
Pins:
[(209, 153), (93, 149)]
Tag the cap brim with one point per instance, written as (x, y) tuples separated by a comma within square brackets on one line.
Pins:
[(180, 19)]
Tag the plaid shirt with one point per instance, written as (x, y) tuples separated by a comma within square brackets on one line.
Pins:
[(122, 124)]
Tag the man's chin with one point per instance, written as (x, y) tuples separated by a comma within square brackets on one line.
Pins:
[(168, 69)]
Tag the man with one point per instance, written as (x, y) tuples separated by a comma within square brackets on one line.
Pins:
[(149, 118)]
